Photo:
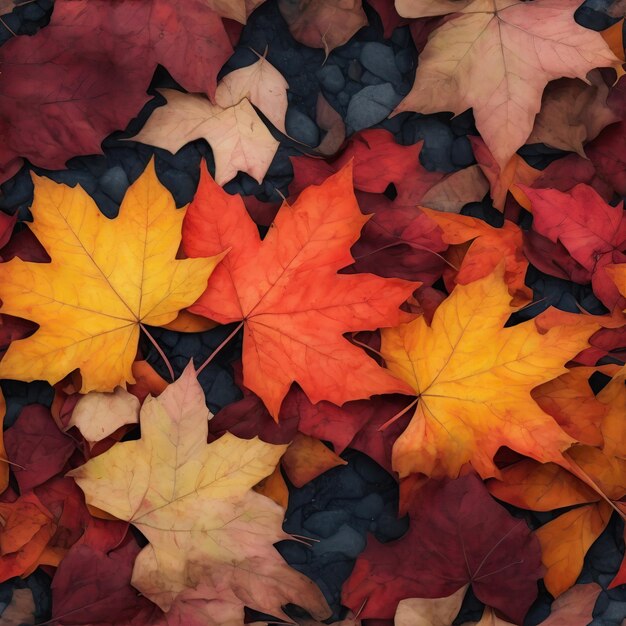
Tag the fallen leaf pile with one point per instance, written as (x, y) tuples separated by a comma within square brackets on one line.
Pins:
[(376, 309)]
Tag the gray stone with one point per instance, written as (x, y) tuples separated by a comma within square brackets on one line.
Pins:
[(391, 527), (301, 127), (371, 105), (114, 183), (401, 36), (462, 153), (380, 61), (404, 61), (371, 79), (615, 611), (345, 541), (331, 78), (326, 523), (370, 507), (188, 344), (355, 70), (180, 184)]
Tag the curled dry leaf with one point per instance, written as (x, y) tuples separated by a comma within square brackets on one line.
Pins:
[(473, 378), (288, 296), (221, 553), (106, 278), (519, 46)]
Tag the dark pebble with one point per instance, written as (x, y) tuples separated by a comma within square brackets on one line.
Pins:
[(462, 154), (32, 12), (331, 78), (188, 344), (293, 552), (114, 183), (401, 36), (301, 127), (370, 507), (437, 138), (73, 178), (180, 184), (370, 79), (350, 51), (346, 541), (380, 61), (355, 70), (391, 527), (371, 105), (326, 523), (405, 61)]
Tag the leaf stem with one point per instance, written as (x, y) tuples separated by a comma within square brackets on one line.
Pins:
[(159, 350), (398, 415), (411, 244), (219, 348)]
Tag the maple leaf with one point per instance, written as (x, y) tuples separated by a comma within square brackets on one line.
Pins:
[(397, 241), (26, 527), (209, 533), (488, 246), (608, 154), (494, 552), (572, 403), (106, 278), (287, 294), (502, 180), (519, 46), (572, 113), (63, 90), (575, 608), (429, 611), (98, 415), (89, 583), (592, 231), (4, 466), (239, 138), (473, 379), (597, 476), (37, 447), (323, 23), (238, 10)]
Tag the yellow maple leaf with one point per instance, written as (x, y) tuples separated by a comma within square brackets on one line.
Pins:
[(210, 535), (473, 379), (105, 278)]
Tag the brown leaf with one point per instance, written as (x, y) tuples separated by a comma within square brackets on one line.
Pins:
[(572, 113)]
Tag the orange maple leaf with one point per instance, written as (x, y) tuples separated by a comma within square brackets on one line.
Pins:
[(286, 292), (473, 379), (594, 485)]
